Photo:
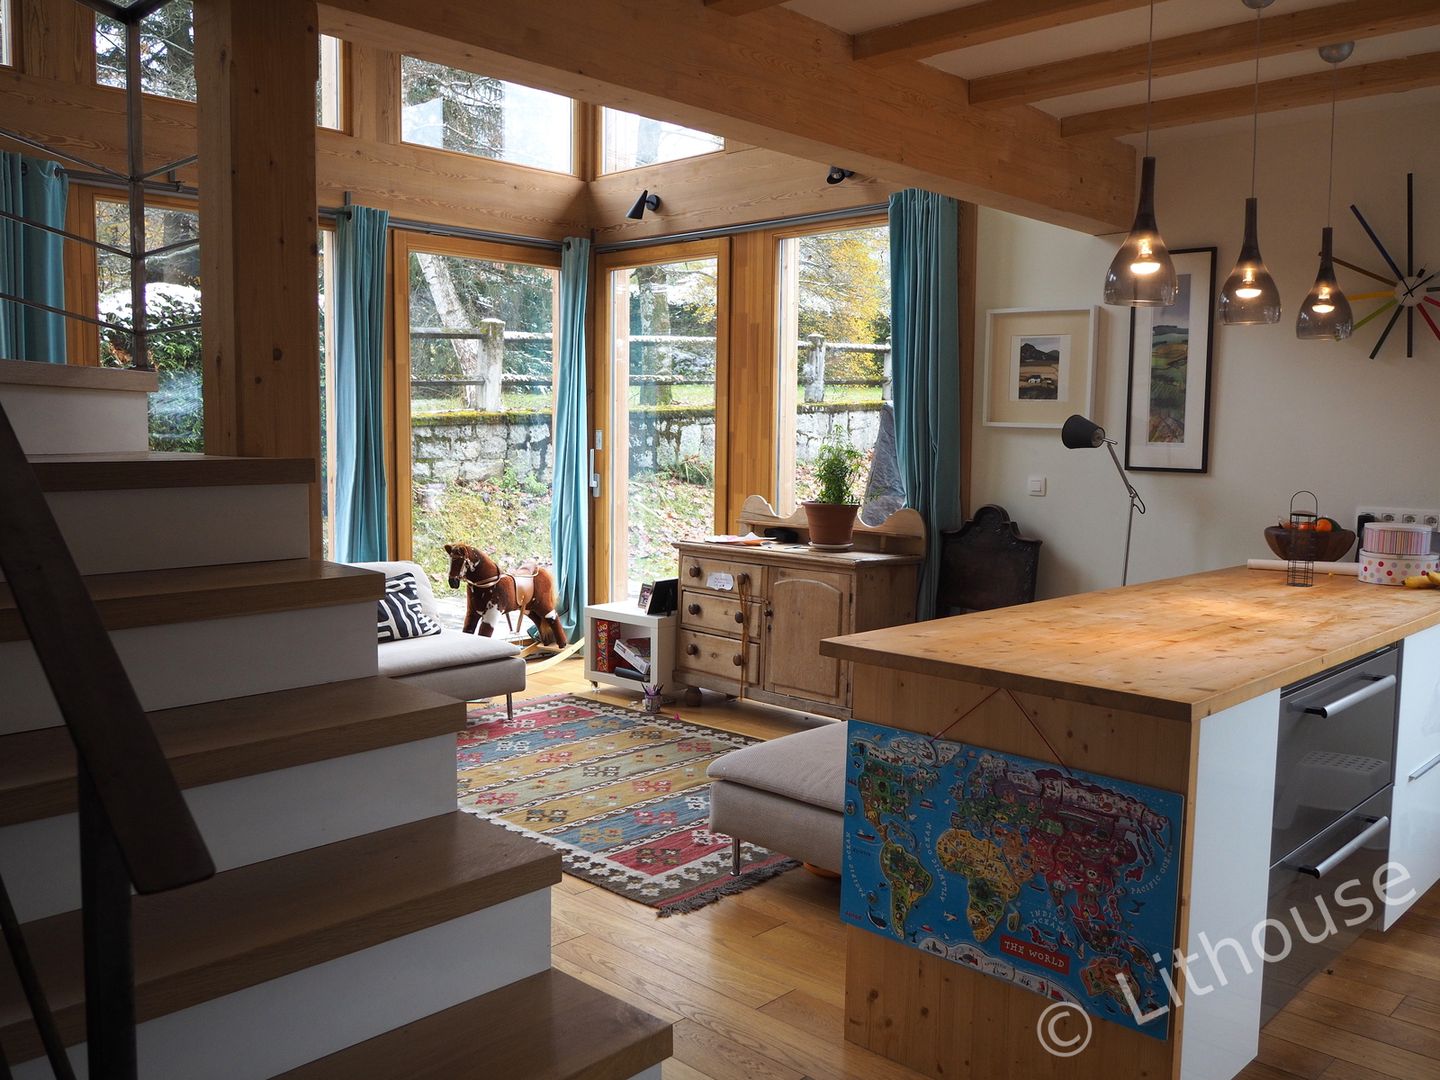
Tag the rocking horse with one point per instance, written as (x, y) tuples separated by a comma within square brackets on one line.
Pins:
[(529, 589)]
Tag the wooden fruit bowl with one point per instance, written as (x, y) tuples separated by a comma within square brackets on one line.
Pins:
[(1332, 547)]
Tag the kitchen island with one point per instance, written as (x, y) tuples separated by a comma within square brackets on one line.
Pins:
[(1174, 684)]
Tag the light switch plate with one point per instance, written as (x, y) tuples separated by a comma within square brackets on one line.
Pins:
[(1036, 486)]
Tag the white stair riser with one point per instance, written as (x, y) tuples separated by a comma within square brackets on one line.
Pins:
[(76, 420), (115, 532), (186, 663), (253, 818), (280, 1025)]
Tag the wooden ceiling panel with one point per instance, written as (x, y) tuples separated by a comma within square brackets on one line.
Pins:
[(1307, 29), (1366, 80), (977, 24), (742, 7)]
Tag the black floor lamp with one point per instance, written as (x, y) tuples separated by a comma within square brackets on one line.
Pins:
[(1082, 434)]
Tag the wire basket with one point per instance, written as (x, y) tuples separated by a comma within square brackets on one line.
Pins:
[(1304, 542)]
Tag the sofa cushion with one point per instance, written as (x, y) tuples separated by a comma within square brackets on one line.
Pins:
[(399, 614), (808, 766), (422, 583), (447, 649)]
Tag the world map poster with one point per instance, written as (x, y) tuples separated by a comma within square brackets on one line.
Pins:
[(1062, 882)]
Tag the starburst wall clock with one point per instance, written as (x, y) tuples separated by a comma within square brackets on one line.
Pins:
[(1406, 293)]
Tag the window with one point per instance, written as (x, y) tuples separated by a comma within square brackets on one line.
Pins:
[(474, 114), (631, 141), (834, 352), (167, 60), (7, 28), (330, 91), (481, 365), (172, 298)]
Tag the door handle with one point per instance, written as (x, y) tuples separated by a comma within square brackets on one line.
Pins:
[(1325, 865), (594, 478), (1423, 769), (692, 650), (1379, 684), (740, 618), (694, 609)]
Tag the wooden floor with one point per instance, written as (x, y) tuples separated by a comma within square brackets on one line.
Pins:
[(755, 984)]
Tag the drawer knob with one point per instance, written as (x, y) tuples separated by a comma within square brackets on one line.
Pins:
[(739, 616), (692, 650), (694, 571), (694, 609), (737, 660)]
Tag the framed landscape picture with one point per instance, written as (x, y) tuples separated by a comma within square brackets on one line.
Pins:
[(1168, 415), (1039, 365)]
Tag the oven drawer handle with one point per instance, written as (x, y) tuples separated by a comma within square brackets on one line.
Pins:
[(1380, 684), (1423, 769), (1324, 866)]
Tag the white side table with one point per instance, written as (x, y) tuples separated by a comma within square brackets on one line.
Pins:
[(659, 630)]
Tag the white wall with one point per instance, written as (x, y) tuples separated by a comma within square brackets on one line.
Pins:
[(1285, 414)]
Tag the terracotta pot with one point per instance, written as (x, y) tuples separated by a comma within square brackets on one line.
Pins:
[(832, 525)]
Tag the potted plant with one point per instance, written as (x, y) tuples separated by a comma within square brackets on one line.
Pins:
[(831, 514)]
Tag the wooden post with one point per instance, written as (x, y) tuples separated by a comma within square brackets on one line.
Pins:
[(887, 365), (815, 368), (489, 368), (256, 66)]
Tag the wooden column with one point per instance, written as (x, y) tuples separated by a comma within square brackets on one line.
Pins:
[(256, 68)]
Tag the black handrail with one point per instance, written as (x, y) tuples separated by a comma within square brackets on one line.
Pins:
[(134, 824)]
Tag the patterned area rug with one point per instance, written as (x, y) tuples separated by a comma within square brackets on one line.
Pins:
[(623, 795)]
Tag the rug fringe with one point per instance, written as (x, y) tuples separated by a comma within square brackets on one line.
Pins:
[(747, 880)]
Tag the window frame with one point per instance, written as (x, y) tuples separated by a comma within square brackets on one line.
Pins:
[(92, 58), (579, 140), (344, 118), (9, 35), (598, 146)]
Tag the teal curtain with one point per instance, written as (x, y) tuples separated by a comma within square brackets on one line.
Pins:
[(569, 508), (359, 523), (925, 326), (32, 261)]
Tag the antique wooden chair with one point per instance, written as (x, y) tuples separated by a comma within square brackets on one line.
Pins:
[(986, 564)]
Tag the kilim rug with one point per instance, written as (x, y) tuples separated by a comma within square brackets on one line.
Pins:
[(622, 794)]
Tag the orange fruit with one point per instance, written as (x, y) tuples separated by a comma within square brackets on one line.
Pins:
[(1324, 525)]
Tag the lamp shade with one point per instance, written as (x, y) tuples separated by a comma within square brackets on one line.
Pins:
[(1250, 296), (1325, 314), (1082, 434), (1142, 274)]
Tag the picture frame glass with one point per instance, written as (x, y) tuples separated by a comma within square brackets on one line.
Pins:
[(1039, 366)]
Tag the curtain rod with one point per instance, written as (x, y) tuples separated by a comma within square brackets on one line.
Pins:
[(734, 230), (459, 231)]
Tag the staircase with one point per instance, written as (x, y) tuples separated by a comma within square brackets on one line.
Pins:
[(358, 926)]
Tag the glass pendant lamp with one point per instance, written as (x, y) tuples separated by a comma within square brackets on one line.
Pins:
[(1142, 273), (1250, 296), (1325, 315)]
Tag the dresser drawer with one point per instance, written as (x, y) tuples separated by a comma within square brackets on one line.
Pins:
[(719, 575), (718, 657), (717, 613)]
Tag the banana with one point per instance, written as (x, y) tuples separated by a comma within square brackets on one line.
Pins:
[(1420, 581), (1433, 575)]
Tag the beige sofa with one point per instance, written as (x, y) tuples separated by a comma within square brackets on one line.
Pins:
[(464, 666), (787, 795)]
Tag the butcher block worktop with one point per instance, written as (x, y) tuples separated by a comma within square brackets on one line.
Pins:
[(1183, 648)]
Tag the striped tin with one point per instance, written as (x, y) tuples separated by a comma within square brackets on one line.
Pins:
[(1396, 538)]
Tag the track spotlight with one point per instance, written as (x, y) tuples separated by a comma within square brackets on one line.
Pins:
[(837, 175), (646, 201)]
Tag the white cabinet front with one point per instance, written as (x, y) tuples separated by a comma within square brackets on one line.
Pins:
[(1415, 820)]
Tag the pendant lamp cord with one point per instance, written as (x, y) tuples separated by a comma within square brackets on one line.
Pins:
[(1330, 190), (1149, 73), (1255, 130)]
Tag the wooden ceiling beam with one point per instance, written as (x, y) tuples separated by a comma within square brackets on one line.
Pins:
[(742, 7), (1280, 34), (786, 84), (978, 24), (1367, 80)]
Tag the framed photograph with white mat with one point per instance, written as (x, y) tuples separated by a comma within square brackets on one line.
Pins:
[(1168, 414), (1039, 365)]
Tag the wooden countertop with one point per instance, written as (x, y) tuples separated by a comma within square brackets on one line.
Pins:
[(800, 553), (1182, 648)]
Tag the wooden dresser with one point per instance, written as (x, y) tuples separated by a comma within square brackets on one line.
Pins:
[(752, 618)]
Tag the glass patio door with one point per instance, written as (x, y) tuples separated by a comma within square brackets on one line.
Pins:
[(660, 409)]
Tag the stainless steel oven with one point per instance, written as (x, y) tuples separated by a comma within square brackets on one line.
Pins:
[(1334, 773)]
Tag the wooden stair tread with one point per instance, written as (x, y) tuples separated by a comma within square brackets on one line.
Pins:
[(260, 922), (189, 594), (33, 373), (223, 740), (160, 469), (547, 1027)]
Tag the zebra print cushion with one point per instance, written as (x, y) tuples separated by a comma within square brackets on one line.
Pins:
[(399, 615)]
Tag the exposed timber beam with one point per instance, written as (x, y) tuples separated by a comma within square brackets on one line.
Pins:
[(742, 7), (978, 24), (1280, 34), (787, 84), (1367, 80)]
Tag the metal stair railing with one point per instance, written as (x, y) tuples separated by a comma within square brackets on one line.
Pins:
[(135, 827)]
